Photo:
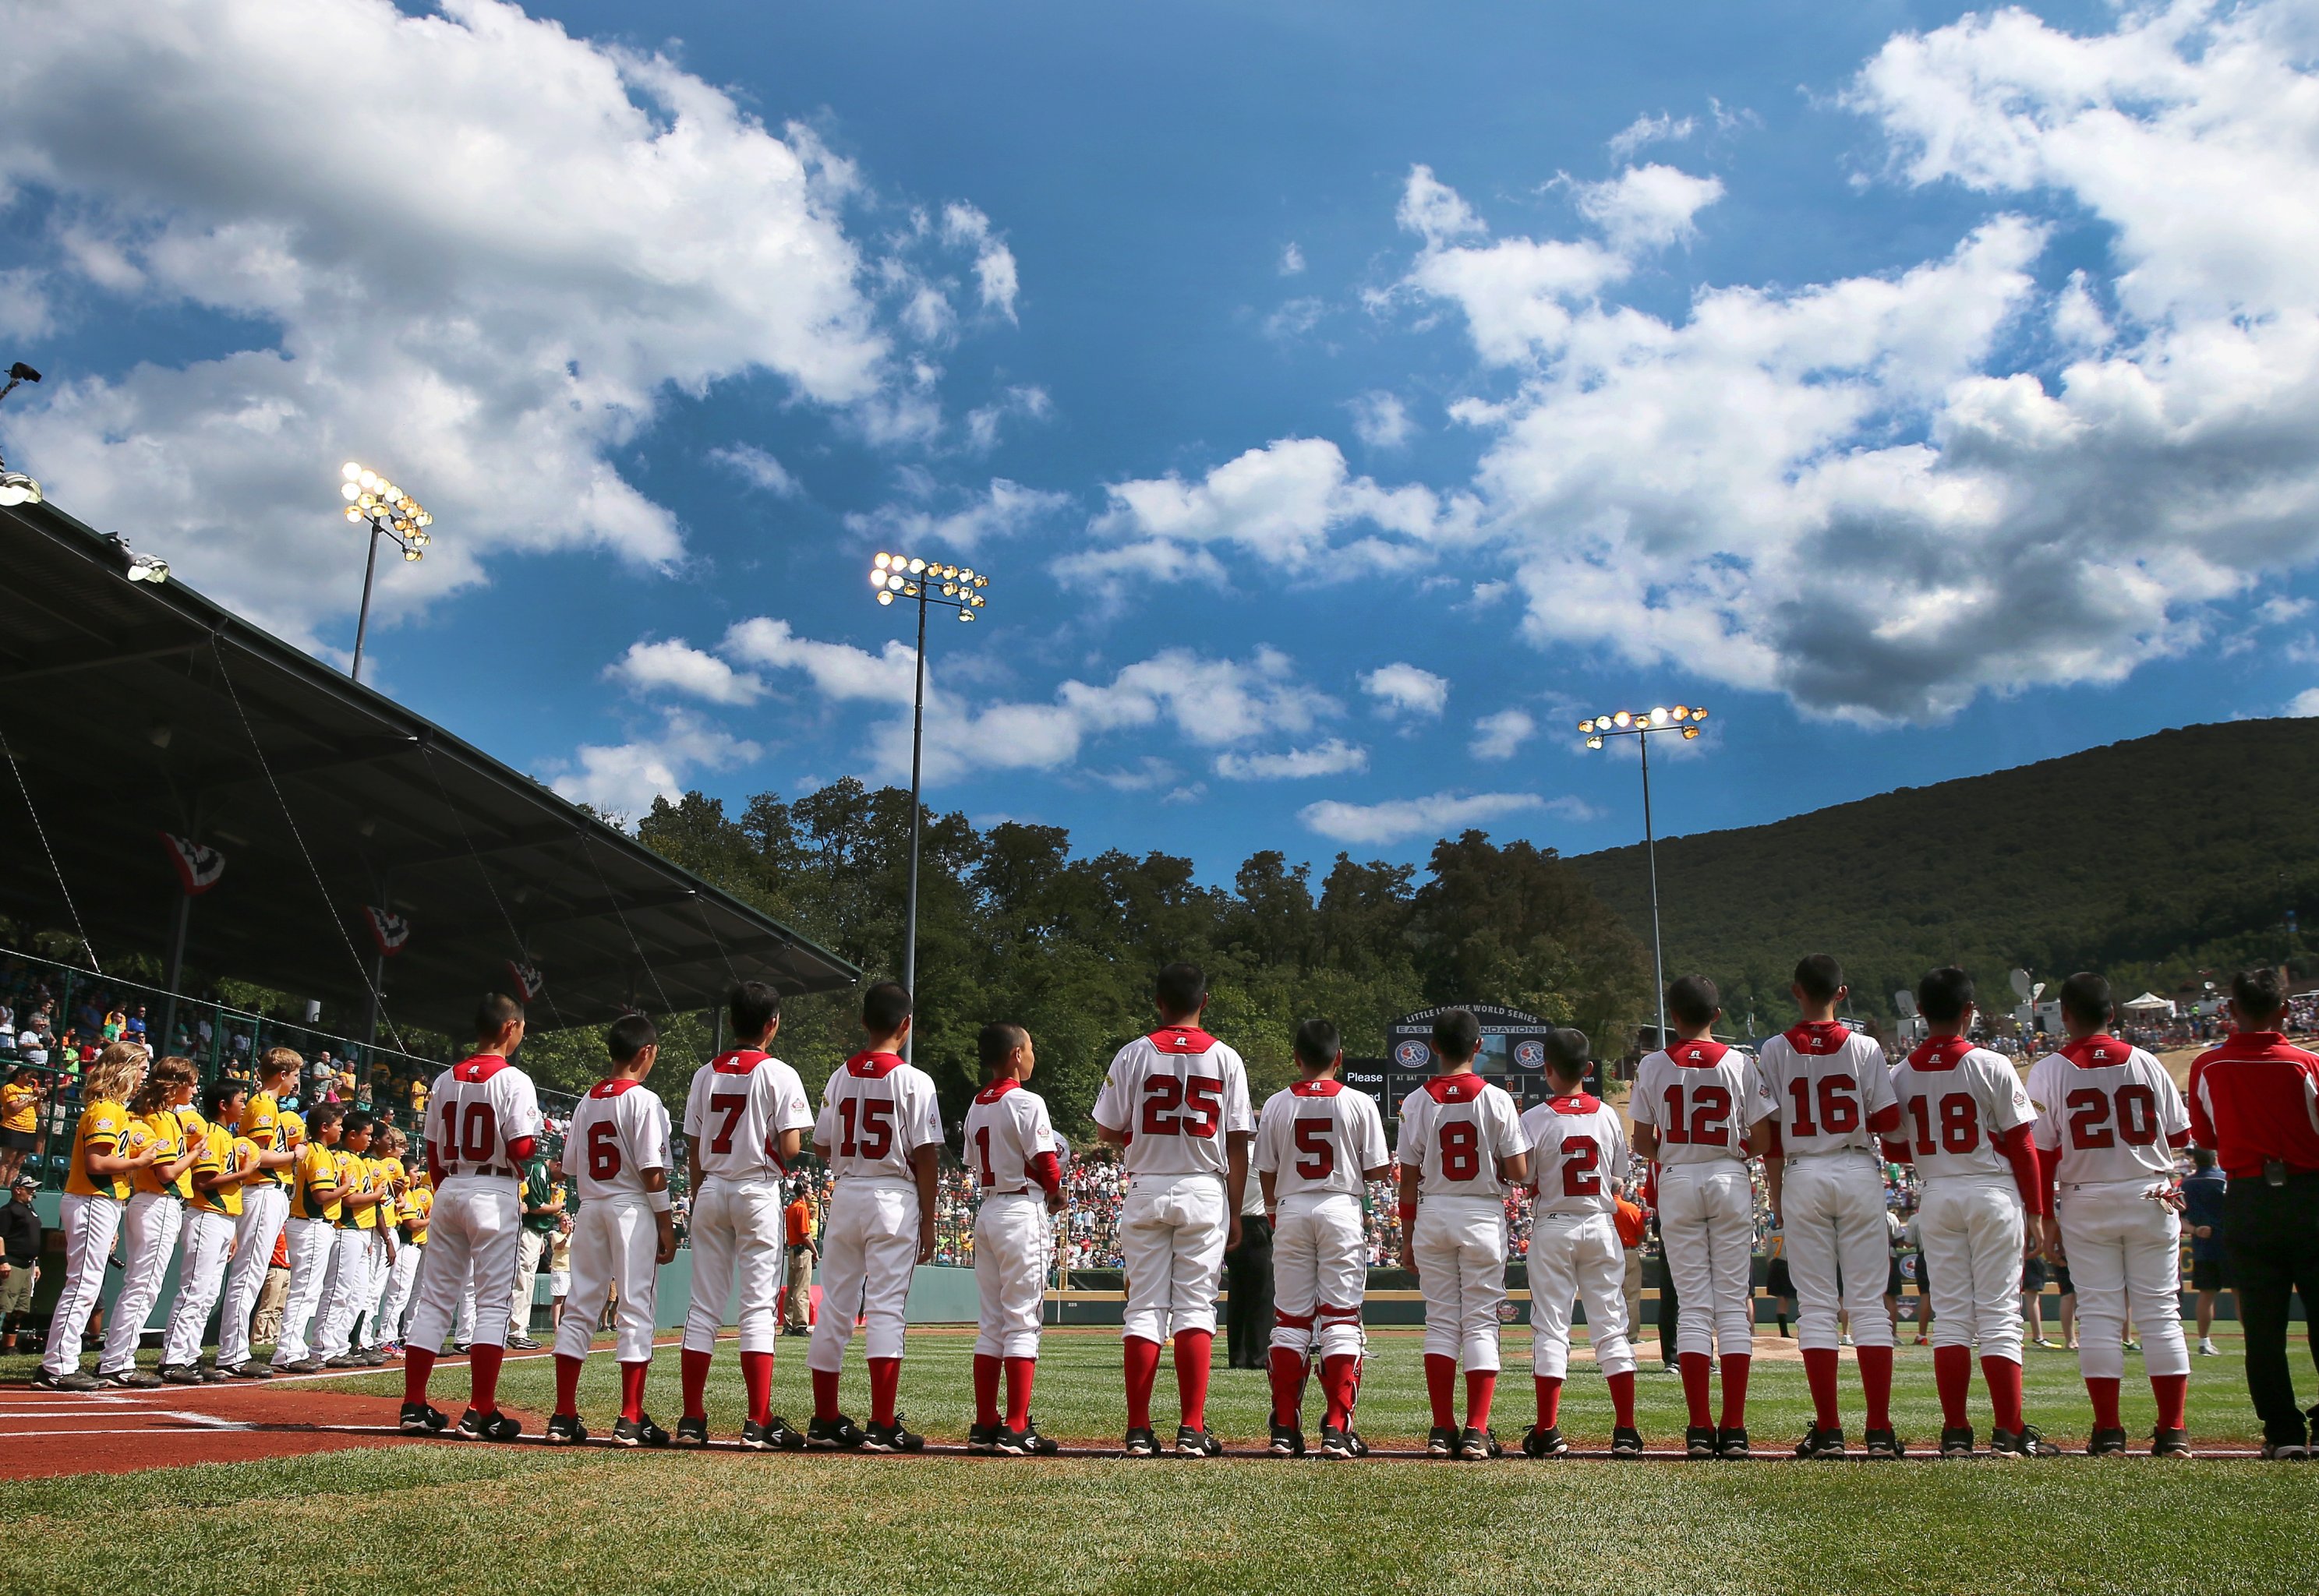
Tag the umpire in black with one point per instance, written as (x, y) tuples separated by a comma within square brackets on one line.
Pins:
[(1247, 1278)]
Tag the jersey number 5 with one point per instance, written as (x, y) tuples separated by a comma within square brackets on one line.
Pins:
[(1313, 1139)]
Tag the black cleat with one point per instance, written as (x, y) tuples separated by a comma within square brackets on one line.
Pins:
[(2285, 1451), (1360, 1446), (2028, 1441), (2170, 1443), (128, 1380), (776, 1434), (831, 1435), (1287, 1441), (983, 1438), (1140, 1442), (211, 1375), (1025, 1442), (179, 1373), (1699, 1441), (1883, 1443), (1544, 1441), (1626, 1441), (1336, 1443), (1197, 1443), (76, 1381), (499, 1426), (638, 1432), (1820, 1443), (1731, 1443), (304, 1365), (692, 1432), (1440, 1442), (564, 1429), (418, 1419), (1478, 1446), (2107, 1443), (344, 1360), (892, 1438), (251, 1369), (1957, 1443)]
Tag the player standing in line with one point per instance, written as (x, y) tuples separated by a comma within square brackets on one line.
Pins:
[(1826, 1180), (1699, 1109), (315, 1209), (264, 1208), (352, 1285), (745, 1114), (1176, 1101), (1011, 1149), (1461, 1150), (228, 1162), (881, 1134), (1316, 1145), (622, 1234), (487, 1124), (2108, 1122), (96, 1190), (1965, 1123), (1577, 1159), (392, 1276), (401, 1296), (155, 1216)]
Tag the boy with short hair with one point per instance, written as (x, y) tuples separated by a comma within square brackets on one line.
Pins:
[(1316, 1146), (1699, 1109), (228, 1162), (1578, 1157), (1462, 1150), (315, 1206), (264, 1208), (348, 1287), (881, 1134), (1011, 1150)]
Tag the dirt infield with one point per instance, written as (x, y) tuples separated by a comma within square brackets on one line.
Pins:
[(45, 1433)]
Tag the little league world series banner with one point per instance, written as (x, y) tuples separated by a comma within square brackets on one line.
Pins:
[(1513, 1055)]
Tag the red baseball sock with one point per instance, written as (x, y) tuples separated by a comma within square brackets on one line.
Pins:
[(693, 1367), (567, 1383), (1952, 1378), (1020, 1372), (1441, 1387), (824, 1395), (1819, 1374), (1736, 1366), (632, 1388), (1340, 1378), (417, 1363), (1623, 1400), (2104, 1394), (1695, 1370), (1193, 1353), (986, 1389), (885, 1380), (1876, 1385), (757, 1380), (484, 1371), (1481, 1389), (1143, 1369), (1287, 1386), (2173, 1394), (1549, 1399), (2004, 1377)]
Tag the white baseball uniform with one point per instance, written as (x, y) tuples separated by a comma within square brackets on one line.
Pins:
[(1454, 1129), (1314, 1138), (204, 1245), (2114, 1115), (618, 1132), (737, 1109), (1834, 1093), (1703, 1097), (480, 1107), (1007, 1137), (149, 1230), (1179, 1096), (264, 1208), (875, 1112), (1578, 1157), (1956, 1101)]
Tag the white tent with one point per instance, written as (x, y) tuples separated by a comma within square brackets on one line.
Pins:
[(2150, 1005)]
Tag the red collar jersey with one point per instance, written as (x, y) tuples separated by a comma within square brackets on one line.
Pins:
[(1455, 1129), (479, 1106), (1833, 1086), (618, 1130), (1956, 1101), (1703, 1097), (1578, 1154), (1007, 1130), (2255, 1099), (875, 1112), (1315, 1138), (2109, 1111), (1178, 1096), (736, 1110)]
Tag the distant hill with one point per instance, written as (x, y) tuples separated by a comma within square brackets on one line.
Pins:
[(2147, 861)]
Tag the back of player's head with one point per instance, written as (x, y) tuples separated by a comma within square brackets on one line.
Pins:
[(2202, 1158), (494, 1012), (751, 1006), (885, 1004), (1943, 995), (323, 1115), (1692, 1000), (1180, 989), (2085, 998), (628, 1036), (222, 1096), (1819, 977), (279, 1062), (1318, 1045), (997, 1040), (2258, 993), (176, 1072), (1567, 1053), (1457, 1034), (357, 1123), (25, 1075)]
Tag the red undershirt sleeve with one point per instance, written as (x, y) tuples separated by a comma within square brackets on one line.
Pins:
[(2028, 1176), (521, 1149), (1048, 1171), (1778, 1149), (434, 1169), (1885, 1120), (2179, 1140), (1896, 1151)]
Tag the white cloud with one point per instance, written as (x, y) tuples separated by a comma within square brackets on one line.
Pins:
[(1647, 207), (1292, 260), (1381, 420), (2279, 609), (2304, 704), (672, 665), (1334, 757), (756, 467), (994, 263), (1399, 819), (1294, 319), (1002, 510), (1663, 129), (983, 422), (622, 779), (1500, 735), (838, 670), (1433, 209), (1402, 688)]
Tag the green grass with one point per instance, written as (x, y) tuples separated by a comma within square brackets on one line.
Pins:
[(430, 1516)]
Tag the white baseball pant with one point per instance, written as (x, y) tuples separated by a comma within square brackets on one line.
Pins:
[(265, 1206), (1010, 1273), (202, 1252), (149, 1237), (1970, 1228), (1832, 1210), (1318, 1275), (1577, 1256), (1460, 1247), (736, 1229), (310, 1249), (395, 1303), (463, 1330), (89, 1224), (531, 1246), (615, 1242), (868, 1250), (470, 1244), (362, 1312), (2124, 1248), (1172, 1230), (344, 1286), (1707, 1223)]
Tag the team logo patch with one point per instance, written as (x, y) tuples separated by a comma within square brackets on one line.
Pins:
[(1530, 1055), (1506, 1312), (1413, 1055)]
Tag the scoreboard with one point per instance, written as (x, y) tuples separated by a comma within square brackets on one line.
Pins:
[(1513, 1056)]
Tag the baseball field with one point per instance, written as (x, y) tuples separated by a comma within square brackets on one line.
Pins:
[(427, 1516)]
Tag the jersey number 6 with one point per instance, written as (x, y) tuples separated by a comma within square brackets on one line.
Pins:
[(603, 1151)]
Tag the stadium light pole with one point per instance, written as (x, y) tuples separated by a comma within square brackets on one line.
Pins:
[(1642, 725), (392, 514), (926, 583)]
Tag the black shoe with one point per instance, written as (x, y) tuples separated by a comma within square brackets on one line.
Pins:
[(1287, 1441), (418, 1419), (776, 1434), (1478, 1446), (128, 1380), (2028, 1441), (499, 1426), (1699, 1441), (76, 1381), (831, 1435), (211, 1375), (179, 1373), (892, 1438), (344, 1360), (564, 1429), (1957, 1443), (1360, 1446), (983, 1438), (1141, 1443), (1025, 1442), (522, 1344), (1731, 1443), (2285, 1451), (638, 1432), (1626, 1441), (1544, 1441), (1197, 1443), (461, 1348), (373, 1357), (1820, 1443), (2107, 1443), (304, 1365), (1335, 1442), (2170, 1443), (1883, 1443), (693, 1432), (251, 1369), (1440, 1442)]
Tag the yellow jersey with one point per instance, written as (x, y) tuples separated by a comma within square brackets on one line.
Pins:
[(197, 1132), (102, 1126), (352, 1171), (164, 1129), (228, 1154), (368, 1172), (315, 1192), (261, 1117), (417, 1203), (20, 1107), (289, 1131)]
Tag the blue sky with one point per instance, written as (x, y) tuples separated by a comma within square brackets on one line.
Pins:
[(1344, 398)]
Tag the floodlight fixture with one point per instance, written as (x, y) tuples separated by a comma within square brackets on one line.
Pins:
[(1641, 726), (373, 500)]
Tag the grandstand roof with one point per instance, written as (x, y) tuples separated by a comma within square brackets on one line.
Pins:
[(134, 709)]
